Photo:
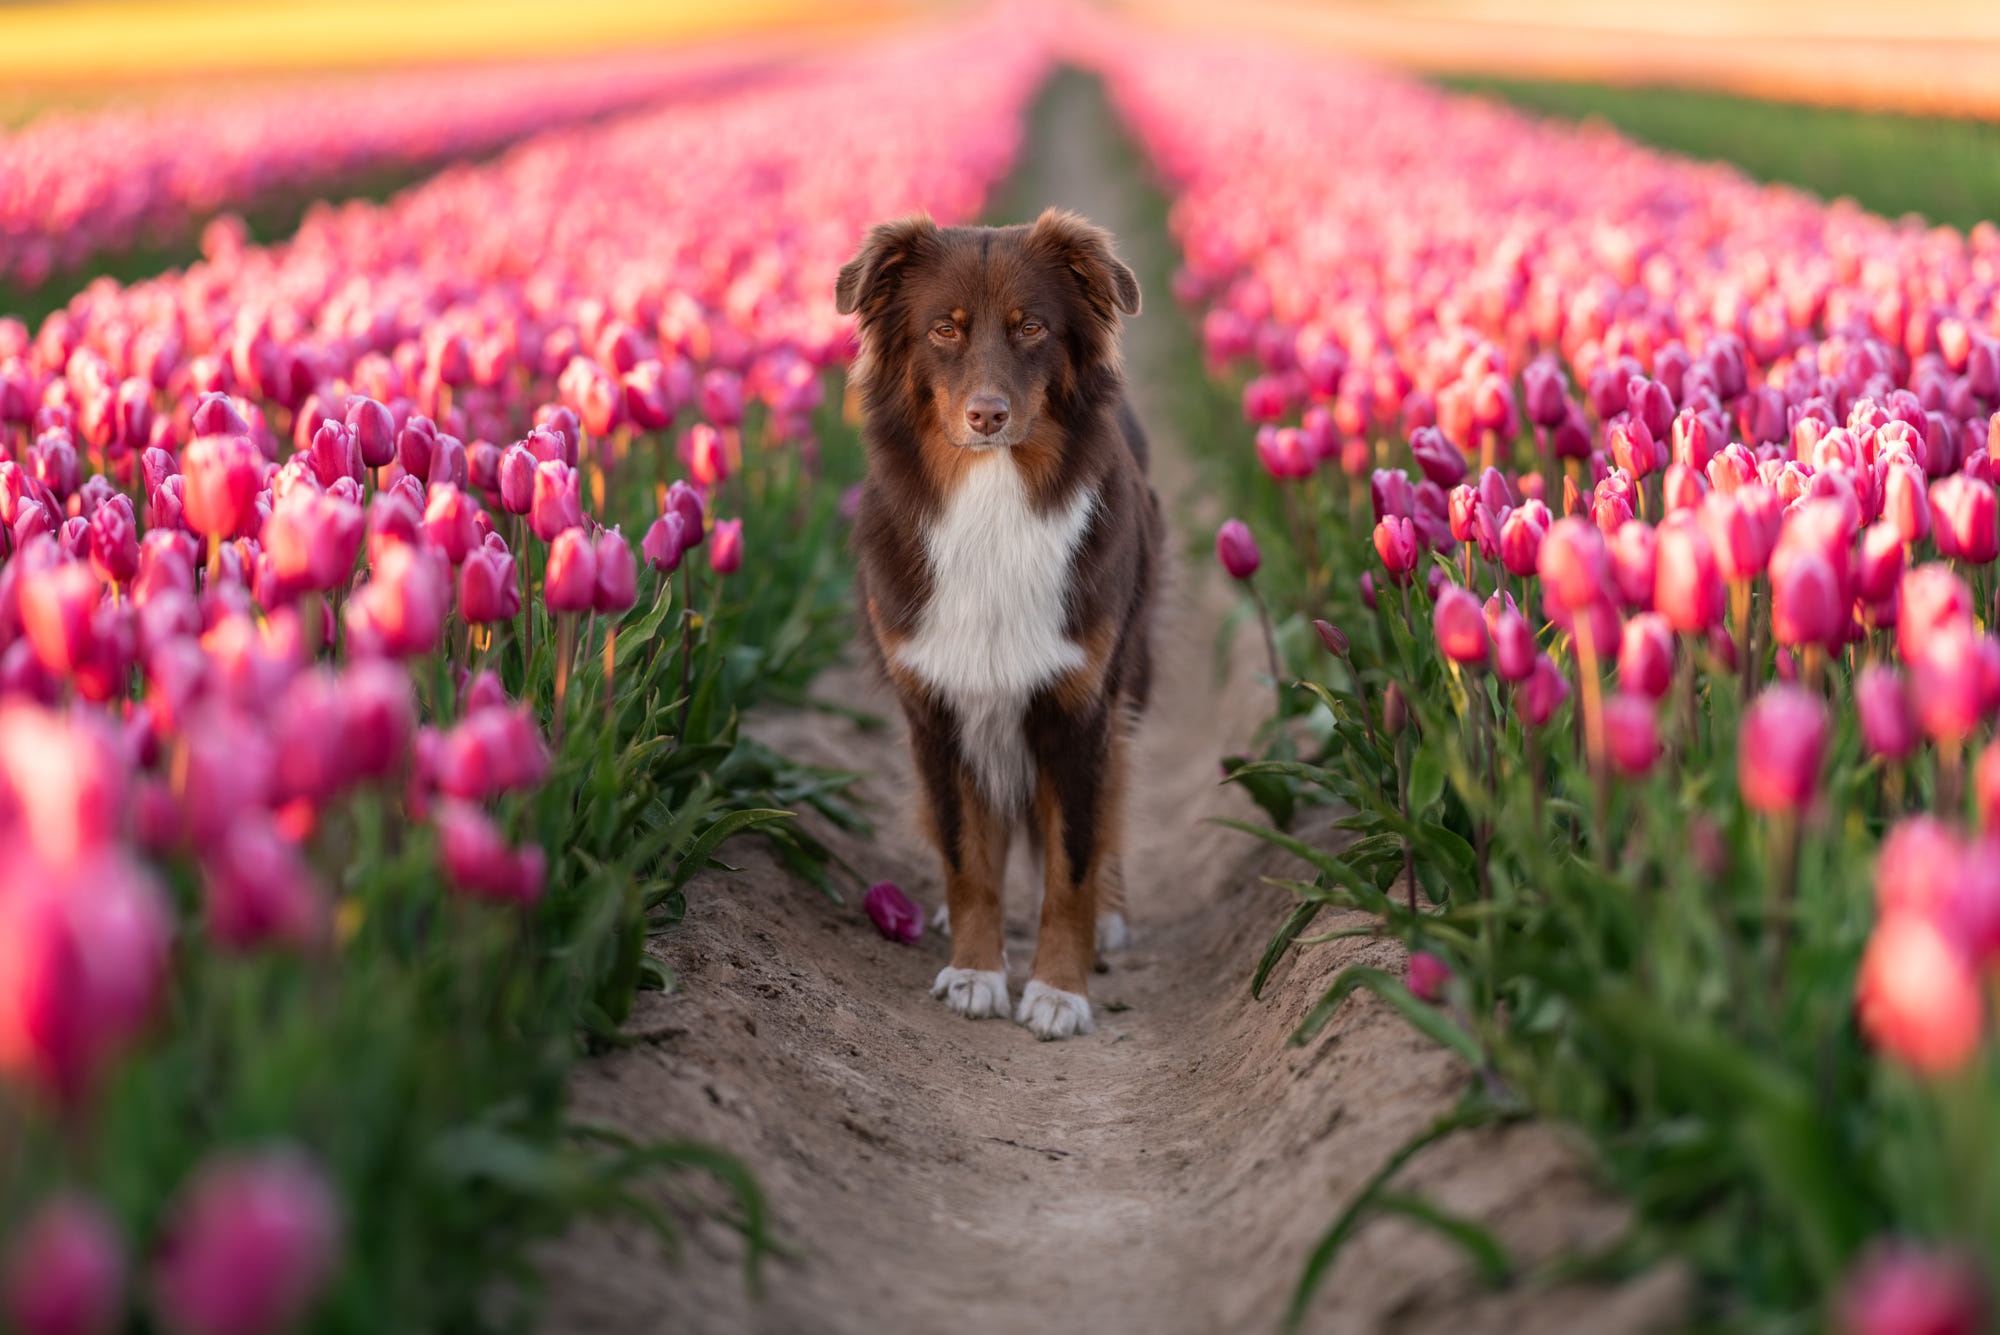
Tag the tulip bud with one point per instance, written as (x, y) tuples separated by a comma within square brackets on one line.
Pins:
[(414, 444), (1395, 710), (250, 1245), (65, 1271), (894, 914), (449, 524), (1514, 648), (1390, 492), (216, 415), (1441, 461), (1236, 549), (662, 544), (1332, 637), (1460, 626), (1426, 976), (373, 429)]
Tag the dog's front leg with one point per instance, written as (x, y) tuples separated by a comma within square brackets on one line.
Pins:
[(971, 838), (1079, 786)]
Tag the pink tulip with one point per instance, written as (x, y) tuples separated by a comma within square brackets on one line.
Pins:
[(479, 862), (1333, 637), (414, 445), (704, 451), (617, 574), (312, 541), (1441, 461), (1882, 703), (1646, 656), (1460, 626), (1780, 750), (1905, 505), (1687, 583), (373, 429), (517, 480), (1396, 543), (725, 555), (260, 892), (686, 502), (894, 914), (222, 476), (1948, 684), (1426, 976), (57, 607), (1236, 549), (1739, 528), (662, 544), (1543, 692), (250, 1244), (64, 1272), (488, 753), (1933, 600), (1807, 603), (1521, 535), (570, 582), (721, 397), (1514, 648), (1966, 519), (1283, 453), (1880, 567), (487, 588), (1631, 732), (1898, 1289), (1573, 564), (1918, 863), (1390, 492), (558, 502), (400, 612), (1917, 998), (449, 522)]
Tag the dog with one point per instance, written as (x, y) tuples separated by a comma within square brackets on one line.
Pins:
[(1006, 543)]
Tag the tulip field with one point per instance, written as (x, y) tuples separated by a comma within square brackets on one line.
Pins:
[(379, 609), (1645, 519)]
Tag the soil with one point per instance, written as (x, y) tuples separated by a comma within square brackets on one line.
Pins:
[(1170, 1172)]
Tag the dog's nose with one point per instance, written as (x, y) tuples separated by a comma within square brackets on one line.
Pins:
[(987, 413)]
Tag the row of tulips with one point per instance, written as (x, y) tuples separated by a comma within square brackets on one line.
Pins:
[(78, 184), (1638, 528), (369, 685)]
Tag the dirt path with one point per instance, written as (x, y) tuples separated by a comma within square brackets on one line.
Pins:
[(1167, 1174)]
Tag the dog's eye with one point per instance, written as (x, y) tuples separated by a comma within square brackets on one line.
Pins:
[(945, 329), (1029, 328)]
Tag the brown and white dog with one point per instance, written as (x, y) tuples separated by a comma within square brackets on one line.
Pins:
[(1007, 541)]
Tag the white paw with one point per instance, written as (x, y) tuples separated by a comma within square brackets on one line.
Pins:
[(941, 919), (973, 994), (1052, 1013), (1113, 934)]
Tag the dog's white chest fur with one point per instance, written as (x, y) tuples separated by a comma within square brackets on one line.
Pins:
[(992, 633)]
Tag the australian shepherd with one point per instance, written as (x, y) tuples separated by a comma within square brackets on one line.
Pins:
[(1007, 540)]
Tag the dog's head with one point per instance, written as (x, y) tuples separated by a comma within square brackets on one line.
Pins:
[(991, 328)]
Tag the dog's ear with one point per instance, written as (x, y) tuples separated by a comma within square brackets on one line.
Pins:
[(872, 274), (1072, 242)]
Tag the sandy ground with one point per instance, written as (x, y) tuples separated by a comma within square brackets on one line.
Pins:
[(1167, 1174)]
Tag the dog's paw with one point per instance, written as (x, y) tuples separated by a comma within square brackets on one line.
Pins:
[(974, 994), (1049, 1012), (1113, 934), (941, 919)]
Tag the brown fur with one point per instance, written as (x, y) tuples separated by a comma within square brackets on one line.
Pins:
[(960, 325)]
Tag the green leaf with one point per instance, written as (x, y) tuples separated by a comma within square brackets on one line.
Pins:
[(1425, 1018), (1349, 1222), (1427, 775), (697, 855), (1480, 1245), (1295, 922)]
